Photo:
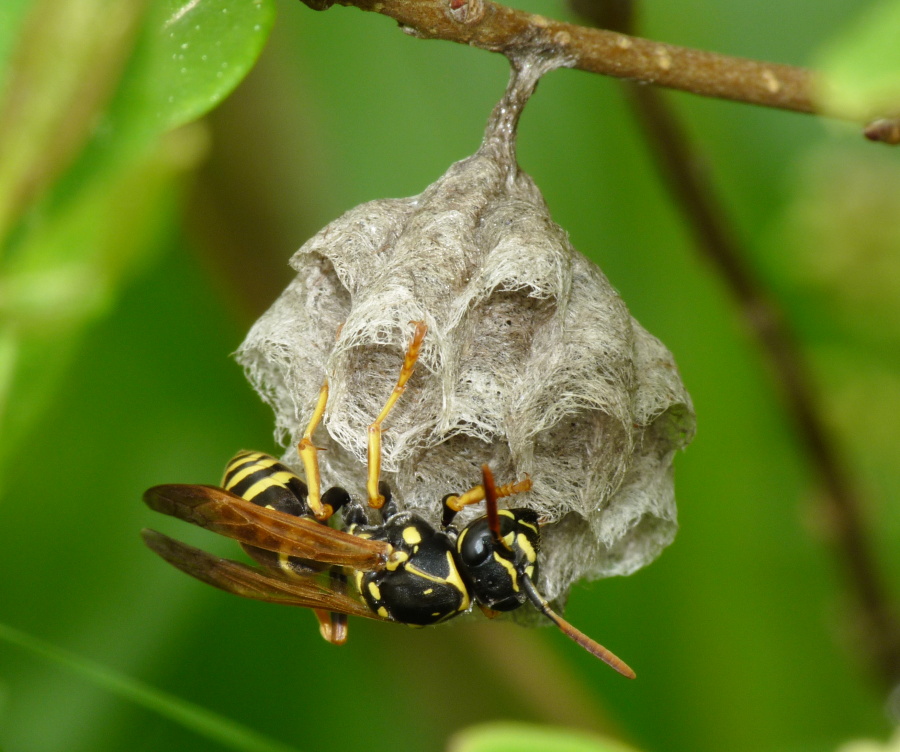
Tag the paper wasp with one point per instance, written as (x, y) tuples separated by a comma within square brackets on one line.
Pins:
[(404, 569)]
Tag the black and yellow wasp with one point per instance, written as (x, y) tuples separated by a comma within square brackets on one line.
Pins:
[(403, 569)]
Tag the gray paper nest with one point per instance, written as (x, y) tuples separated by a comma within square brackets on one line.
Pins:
[(532, 363)]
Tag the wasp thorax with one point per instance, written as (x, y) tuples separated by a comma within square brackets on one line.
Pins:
[(531, 364)]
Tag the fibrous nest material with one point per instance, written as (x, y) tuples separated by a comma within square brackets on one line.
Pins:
[(531, 364)]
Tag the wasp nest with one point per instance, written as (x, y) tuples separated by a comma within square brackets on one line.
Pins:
[(531, 364)]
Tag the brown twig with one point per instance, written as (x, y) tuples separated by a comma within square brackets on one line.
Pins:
[(485, 24), (691, 186), (885, 130)]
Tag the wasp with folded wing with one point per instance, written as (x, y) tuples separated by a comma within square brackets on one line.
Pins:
[(402, 570)]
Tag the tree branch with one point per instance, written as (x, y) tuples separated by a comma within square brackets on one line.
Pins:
[(493, 27)]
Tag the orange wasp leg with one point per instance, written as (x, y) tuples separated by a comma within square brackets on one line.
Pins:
[(309, 457), (454, 504), (332, 626), (376, 500)]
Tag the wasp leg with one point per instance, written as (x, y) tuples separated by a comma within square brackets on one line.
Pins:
[(333, 626), (376, 499), (453, 504), (488, 611), (309, 457)]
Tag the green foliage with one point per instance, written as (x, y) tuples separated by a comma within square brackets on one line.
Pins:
[(199, 53), (227, 733), (521, 737), (88, 176), (861, 66), (116, 321)]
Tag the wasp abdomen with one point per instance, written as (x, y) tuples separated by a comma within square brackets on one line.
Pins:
[(262, 479)]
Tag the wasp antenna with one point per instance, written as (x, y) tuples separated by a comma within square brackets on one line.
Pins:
[(592, 646), (490, 503)]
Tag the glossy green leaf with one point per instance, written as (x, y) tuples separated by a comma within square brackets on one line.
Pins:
[(204, 49), (861, 66), (191, 56), (523, 737)]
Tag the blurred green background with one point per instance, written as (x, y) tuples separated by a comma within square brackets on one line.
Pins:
[(133, 262)]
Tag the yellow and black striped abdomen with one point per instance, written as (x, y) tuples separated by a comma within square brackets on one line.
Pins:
[(263, 480)]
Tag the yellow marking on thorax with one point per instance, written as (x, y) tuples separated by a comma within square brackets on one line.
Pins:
[(508, 566), (396, 559), (382, 612), (279, 479), (506, 513), (453, 578), (528, 525), (526, 546), (412, 536), (258, 462), (428, 592), (424, 575), (374, 591)]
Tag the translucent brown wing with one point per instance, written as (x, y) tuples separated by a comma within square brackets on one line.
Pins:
[(225, 513), (314, 591)]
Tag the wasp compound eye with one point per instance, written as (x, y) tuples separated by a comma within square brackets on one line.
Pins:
[(475, 548), (532, 363)]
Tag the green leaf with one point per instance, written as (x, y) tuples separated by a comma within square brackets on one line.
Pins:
[(192, 54), (204, 722), (861, 66), (523, 737), (203, 49)]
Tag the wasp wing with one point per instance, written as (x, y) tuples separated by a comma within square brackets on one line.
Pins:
[(225, 513), (311, 591)]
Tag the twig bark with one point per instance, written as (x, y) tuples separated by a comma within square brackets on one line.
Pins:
[(886, 130), (494, 27), (682, 167)]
